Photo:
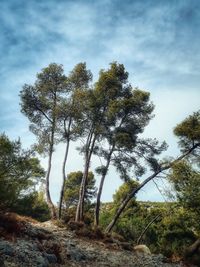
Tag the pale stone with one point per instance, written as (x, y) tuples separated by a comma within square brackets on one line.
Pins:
[(142, 249)]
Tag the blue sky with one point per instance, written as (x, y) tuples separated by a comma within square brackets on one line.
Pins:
[(157, 41)]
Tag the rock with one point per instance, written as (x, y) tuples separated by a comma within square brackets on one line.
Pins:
[(53, 248), (160, 258), (6, 248), (142, 249), (51, 258), (75, 254), (11, 264), (40, 234), (41, 262)]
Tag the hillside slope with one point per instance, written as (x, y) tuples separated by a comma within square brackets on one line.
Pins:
[(26, 243)]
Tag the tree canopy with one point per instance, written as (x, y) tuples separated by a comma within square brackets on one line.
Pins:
[(72, 187), (185, 180), (20, 172)]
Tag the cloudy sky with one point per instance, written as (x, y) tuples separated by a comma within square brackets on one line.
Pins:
[(157, 41)]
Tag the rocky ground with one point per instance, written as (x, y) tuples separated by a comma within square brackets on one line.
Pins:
[(45, 245)]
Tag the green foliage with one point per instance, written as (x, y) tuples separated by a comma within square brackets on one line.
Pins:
[(72, 104), (186, 180), (188, 131), (128, 112), (79, 77), (19, 172), (72, 187), (170, 234), (175, 228), (106, 214), (125, 224), (177, 232), (123, 190), (33, 205), (39, 103)]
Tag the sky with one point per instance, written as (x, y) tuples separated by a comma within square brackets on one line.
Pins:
[(157, 41)]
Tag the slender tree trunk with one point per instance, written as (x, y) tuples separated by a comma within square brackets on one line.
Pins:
[(98, 203), (48, 196), (77, 217), (63, 181), (79, 210), (51, 146), (64, 169), (146, 228), (80, 206), (134, 192)]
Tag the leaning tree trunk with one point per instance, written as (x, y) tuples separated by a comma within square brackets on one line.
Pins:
[(98, 203), (146, 228), (193, 249), (48, 196), (134, 192), (127, 199), (80, 206)]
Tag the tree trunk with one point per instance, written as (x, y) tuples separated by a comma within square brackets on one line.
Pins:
[(63, 181), (190, 251), (49, 201), (79, 210), (80, 206), (127, 199), (134, 192), (64, 167), (98, 203)]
